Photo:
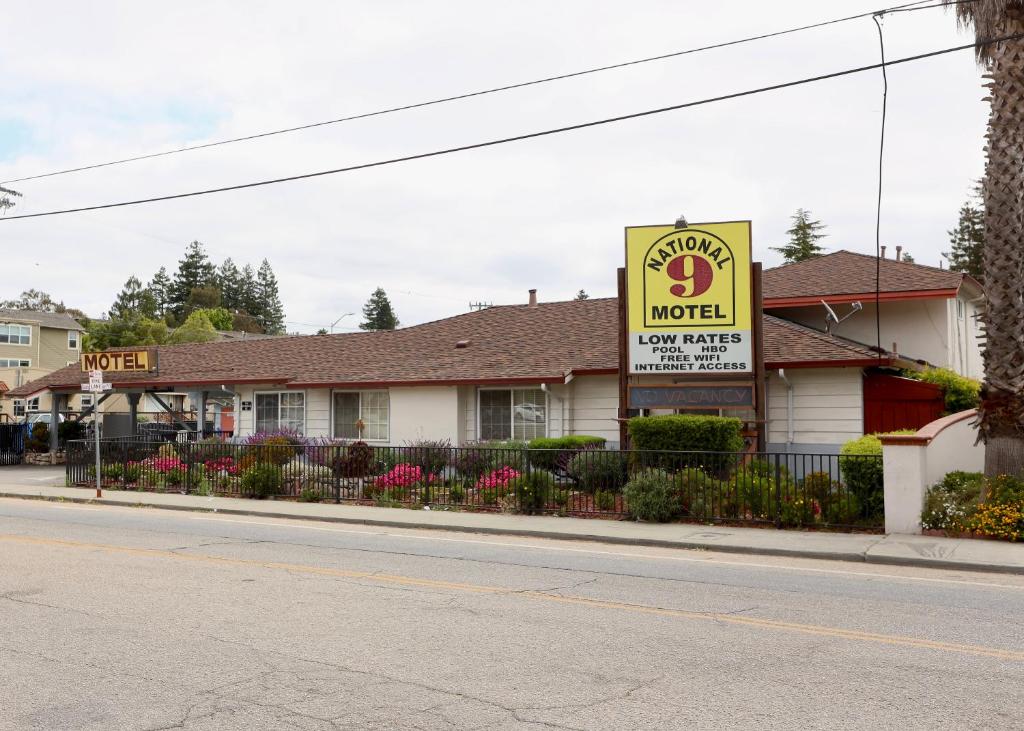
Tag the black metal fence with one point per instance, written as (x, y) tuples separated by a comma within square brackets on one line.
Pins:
[(791, 490), (12, 443)]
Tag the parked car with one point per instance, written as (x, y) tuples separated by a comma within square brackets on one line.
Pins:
[(42, 416)]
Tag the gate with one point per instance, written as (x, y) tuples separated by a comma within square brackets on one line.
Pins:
[(12, 443), (892, 402)]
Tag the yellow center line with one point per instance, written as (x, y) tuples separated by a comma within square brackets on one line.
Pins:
[(733, 619)]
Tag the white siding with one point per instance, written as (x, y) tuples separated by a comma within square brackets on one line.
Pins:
[(424, 413), (318, 412), (595, 406), (828, 405)]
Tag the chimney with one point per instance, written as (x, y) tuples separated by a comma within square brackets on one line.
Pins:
[(898, 250), (533, 298), (883, 252)]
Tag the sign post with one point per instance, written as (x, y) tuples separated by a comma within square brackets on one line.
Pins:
[(97, 386)]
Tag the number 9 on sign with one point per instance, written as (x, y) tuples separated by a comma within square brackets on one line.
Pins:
[(694, 274)]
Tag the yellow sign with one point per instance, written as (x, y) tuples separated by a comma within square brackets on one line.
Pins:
[(689, 298), (127, 360)]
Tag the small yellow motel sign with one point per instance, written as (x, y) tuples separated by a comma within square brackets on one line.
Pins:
[(118, 361), (688, 293)]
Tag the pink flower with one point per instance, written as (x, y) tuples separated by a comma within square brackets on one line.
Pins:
[(404, 475), (497, 478)]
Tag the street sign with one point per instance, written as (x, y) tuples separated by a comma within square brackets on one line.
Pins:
[(96, 384)]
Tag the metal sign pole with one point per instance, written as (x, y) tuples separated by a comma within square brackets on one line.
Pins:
[(96, 429), (96, 386)]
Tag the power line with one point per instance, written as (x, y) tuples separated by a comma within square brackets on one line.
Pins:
[(483, 92), (519, 138)]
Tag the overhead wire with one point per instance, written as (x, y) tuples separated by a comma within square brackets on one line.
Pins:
[(521, 137), (924, 5)]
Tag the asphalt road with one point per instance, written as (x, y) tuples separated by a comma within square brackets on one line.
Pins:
[(119, 618)]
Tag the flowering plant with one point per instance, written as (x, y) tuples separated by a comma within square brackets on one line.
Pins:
[(404, 475), (497, 478), (221, 464), (162, 465)]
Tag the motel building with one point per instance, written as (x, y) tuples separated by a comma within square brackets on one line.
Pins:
[(552, 368)]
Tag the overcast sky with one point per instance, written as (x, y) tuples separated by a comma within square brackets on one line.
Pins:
[(87, 82)]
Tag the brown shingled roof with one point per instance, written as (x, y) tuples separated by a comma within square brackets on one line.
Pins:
[(57, 320), (848, 273), (507, 344)]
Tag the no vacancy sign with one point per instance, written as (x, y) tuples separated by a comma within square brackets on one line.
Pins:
[(688, 294)]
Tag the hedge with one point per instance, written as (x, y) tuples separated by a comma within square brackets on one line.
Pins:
[(557, 451), (960, 392), (683, 433), (862, 475)]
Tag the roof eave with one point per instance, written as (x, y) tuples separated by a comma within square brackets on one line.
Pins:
[(837, 363), (915, 294)]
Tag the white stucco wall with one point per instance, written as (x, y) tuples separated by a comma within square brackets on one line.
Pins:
[(828, 406), (919, 328), (424, 413), (594, 406)]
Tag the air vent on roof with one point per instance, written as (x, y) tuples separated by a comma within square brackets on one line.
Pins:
[(462, 343)]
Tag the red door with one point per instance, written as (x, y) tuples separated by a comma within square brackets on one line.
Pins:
[(893, 402)]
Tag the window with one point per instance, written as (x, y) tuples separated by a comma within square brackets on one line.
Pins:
[(86, 401), (16, 334), (33, 404), (73, 339), (959, 309), (19, 407), (284, 410), (370, 407), (513, 414), (15, 363)]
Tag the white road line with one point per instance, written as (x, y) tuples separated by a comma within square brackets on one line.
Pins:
[(370, 531)]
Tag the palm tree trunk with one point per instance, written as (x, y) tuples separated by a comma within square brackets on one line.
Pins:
[(1002, 408)]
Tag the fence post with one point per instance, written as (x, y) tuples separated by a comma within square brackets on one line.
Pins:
[(188, 466), (527, 470), (778, 490)]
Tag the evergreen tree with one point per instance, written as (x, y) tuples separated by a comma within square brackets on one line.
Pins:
[(803, 238), (134, 301), (160, 287), (967, 241), (378, 313), (581, 295), (907, 257), (194, 270), (229, 279), (249, 296), (272, 315), (7, 197)]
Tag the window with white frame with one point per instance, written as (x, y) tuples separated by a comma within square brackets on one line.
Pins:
[(19, 407), (15, 334), (517, 413), (281, 410), (32, 404), (86, 401), (959, 309), (361, 415), (15, 363), (73, 340)]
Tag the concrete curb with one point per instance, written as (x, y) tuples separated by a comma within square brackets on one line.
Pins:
[(848, 556)]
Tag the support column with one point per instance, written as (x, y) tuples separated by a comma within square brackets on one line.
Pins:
[(201, 410), (56, 400), (133, 411)]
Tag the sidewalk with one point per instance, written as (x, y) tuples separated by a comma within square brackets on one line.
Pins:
[(945, 553)]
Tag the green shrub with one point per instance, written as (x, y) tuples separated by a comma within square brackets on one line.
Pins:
[(209, 449), (38, 438), (132, 472), (597, 469), (819, 485), (309, 495), (261, 480), (860, 463), (653, 496), (951, 502), (555, 452), (113, 472), (174, 477), (456, 494), (960, 392), (1004, 490), (69, 430), (699, 493), (561, 499), (430, 455), (685, 433), (842, 508), (604, 500), (532, 491)]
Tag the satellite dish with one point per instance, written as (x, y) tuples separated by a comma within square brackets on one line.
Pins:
[(831, 316)]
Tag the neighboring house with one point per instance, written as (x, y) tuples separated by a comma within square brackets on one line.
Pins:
[(928, 315), (32, 345), (516, 371)]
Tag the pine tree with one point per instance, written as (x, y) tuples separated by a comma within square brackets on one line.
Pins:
[(803, 238), (194, 270), (160, 287), (581, 295), (134, 301), (249, 296), (229, 279), (967, 241), (378, 313), (272, 315)]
